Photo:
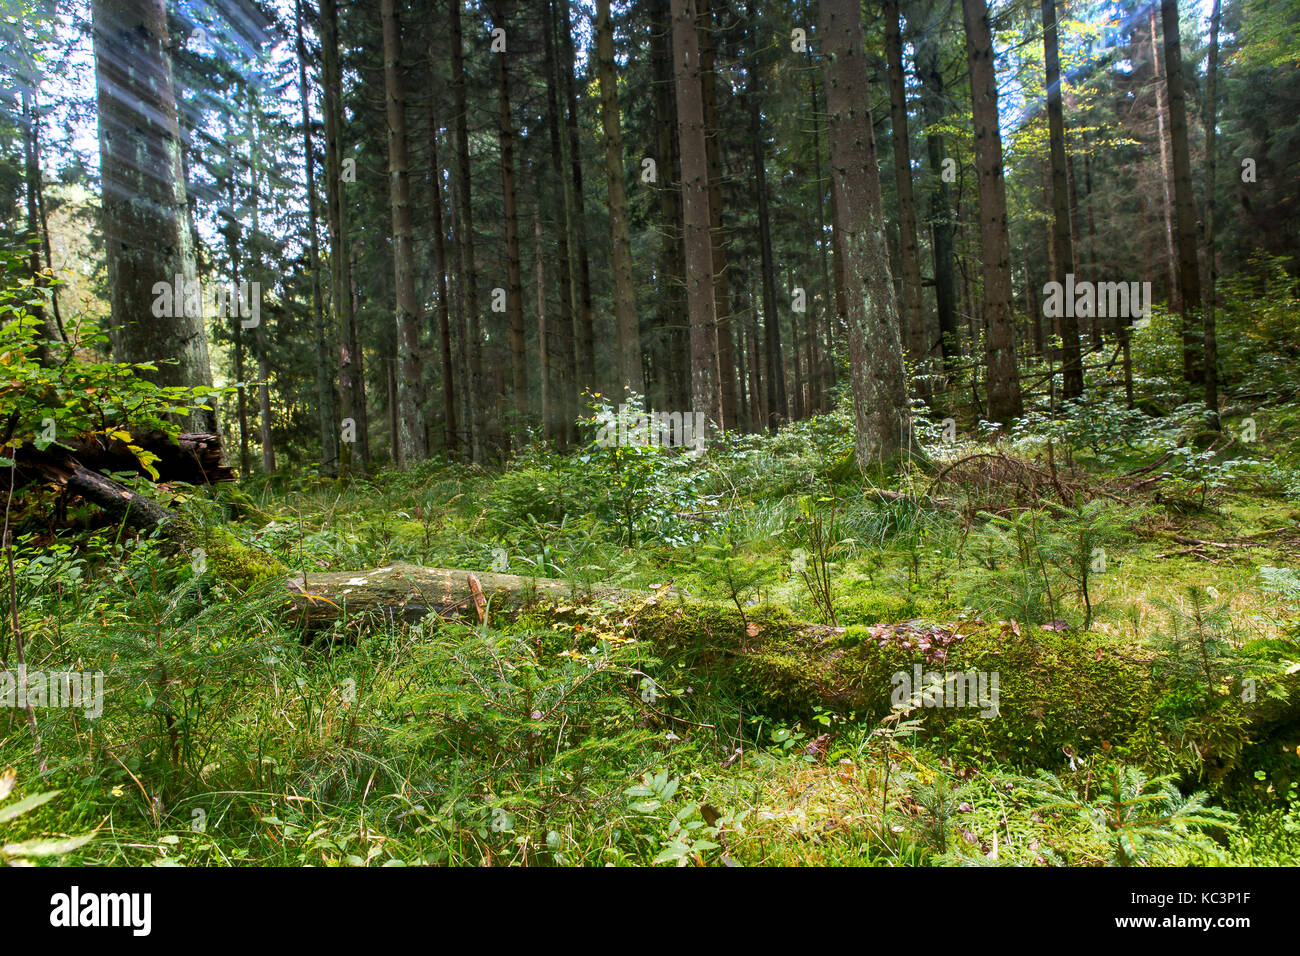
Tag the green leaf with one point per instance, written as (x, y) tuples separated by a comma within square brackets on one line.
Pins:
[(27, 803), (45, 847)]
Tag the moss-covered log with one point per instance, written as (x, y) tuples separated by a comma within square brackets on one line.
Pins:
[(410, 592)]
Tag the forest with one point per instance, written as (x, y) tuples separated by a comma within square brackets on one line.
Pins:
[(650, 433)]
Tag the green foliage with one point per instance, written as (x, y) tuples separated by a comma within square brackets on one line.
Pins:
[(1139, 818), (42, 405), (1259, 319), (20, 853), (1200, 647), (820, 541)]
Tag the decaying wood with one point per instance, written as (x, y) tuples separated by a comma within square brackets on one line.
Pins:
[(118, 501), (410, 592), (192, 457)]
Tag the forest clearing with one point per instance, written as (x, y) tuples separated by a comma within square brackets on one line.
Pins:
[(666, 433)]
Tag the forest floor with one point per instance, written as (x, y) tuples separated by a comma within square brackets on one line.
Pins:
[(595, 733)]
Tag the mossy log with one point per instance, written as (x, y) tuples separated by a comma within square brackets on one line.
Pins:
[(409, 592)]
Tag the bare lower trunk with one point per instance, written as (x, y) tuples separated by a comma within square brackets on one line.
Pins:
[(995, 252), (410, 442), (1071, 358), (475, 417), (147, 237), (695, 210), (1211, 119), (625, 319), (909, 255), (1189, 277), (880, 411), (510, 202)]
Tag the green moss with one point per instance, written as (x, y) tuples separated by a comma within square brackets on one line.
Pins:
[(867, 606), (236, 563), (1058, 694)]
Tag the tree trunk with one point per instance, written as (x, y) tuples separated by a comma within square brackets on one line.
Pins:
[(999, 338), (940, 211), (232, 232), (562, 358), (1166, 172), (778, 410), (543, 346), (721, 274), (823, 352), (880, 411), (585, 333), (1071, 358), (57, 331), (625, 319), (1211, 120), (327, 410), (409, 443), (510, 202), (245, 458), (352, 386), (671, 283), (451, 434), (695, 210), (475, 417), (256, 268), (913, 321), (36, 238), (147, 239), (1189, 277)]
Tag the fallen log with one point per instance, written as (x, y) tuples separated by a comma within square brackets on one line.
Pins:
[(194, 458), (410, 592), (191, 457)]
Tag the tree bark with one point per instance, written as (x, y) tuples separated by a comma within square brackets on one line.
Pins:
[(1211, 121), (543, 346), (510, 202), (585, 333), (327, 406), (563, 358), (778, 410), (626, 332), (352, 386), (1189, 277), (1071, 357), (670, 281), (927, 45), (913, 321), (37, 237), (451, 433), (147, 238), (232, 231), (409, 444), (1166, 172), (880, 409), (721, 273), (465, 246), (695, 210), (256, 267), (999, 338)]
